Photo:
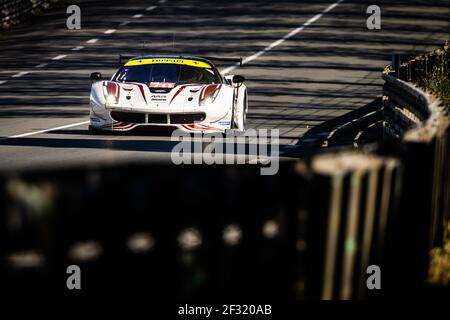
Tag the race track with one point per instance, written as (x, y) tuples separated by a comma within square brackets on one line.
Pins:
[(309, 65)]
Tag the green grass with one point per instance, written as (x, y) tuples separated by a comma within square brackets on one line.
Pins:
[(439, 271), (437, 81), (438, 84)]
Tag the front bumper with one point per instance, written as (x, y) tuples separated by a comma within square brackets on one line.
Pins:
[(125, 126), (157, 118), (121, 119)]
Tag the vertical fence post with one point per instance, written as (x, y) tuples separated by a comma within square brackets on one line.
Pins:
[(349, 224), (396, 64)]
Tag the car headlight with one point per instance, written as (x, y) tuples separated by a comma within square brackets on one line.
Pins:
[(209, 94), (111, 99), (111, 91)]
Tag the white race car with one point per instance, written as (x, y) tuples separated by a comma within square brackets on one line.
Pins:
[(187, 93)]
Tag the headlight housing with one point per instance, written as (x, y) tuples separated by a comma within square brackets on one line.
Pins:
[(111, 91), (209, 94)]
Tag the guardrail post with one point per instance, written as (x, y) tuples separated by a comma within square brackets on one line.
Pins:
[(396, 64), (446, 187)]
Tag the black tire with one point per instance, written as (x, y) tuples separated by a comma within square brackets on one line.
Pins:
[(245, 111), (93, 131), (233, 123)]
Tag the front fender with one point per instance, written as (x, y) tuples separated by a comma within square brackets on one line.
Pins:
[(97, 96), (241, 101)]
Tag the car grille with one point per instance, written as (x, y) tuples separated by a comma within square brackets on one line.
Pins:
[(157, 118), (186, 118), (129, 117)]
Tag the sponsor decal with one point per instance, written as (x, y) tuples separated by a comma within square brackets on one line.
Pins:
[(187, 62), (224, 123), (159, 97), (127, 87), (162, 85)]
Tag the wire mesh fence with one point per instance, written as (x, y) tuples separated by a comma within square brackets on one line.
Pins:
[(430, 72)]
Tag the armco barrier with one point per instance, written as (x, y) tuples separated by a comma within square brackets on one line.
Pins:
[(421, 124), (14, 11)]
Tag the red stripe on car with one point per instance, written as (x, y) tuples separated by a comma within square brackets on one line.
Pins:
[(141, 88), (177, 93)]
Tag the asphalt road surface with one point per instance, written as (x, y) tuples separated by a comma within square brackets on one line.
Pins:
[(311, 66)]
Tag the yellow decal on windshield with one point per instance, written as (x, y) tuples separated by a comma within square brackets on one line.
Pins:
[(187, 62)]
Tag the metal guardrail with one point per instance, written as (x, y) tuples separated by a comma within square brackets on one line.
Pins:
[(410, 112), (13, 12), (421, 125)]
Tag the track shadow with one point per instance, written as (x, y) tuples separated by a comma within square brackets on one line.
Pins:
[(344, 135), (104, 144), (148, 131)]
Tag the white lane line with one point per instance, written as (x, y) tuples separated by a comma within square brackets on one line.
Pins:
[(44, 131), (325, 142), (137, 16), (355, 141), (110, 31), (375, 123), (92, 40), (3, 82), (42, 65), (151, 8), (20, 74), (124, 23), (78, 48), (286, 37), (60, 57), (366, 115)]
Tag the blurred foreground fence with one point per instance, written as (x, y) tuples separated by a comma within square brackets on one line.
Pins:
[(203, 232), (184, 232), (14, 11)]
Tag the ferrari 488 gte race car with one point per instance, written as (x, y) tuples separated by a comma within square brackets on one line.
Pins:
[(187, 93)]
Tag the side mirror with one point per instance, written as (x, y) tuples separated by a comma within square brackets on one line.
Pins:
[(238, 79), (96, 76)]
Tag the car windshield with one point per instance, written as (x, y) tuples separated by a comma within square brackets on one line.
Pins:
[(175, 73)]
